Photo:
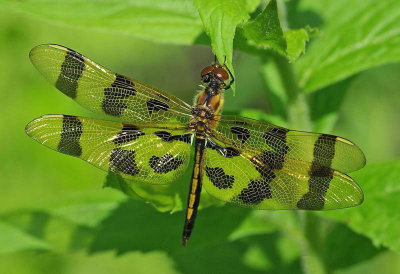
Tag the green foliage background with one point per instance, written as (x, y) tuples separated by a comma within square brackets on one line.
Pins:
[(328, 66)]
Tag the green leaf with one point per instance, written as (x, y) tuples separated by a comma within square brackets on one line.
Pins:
[(379, 216), (162, 197), (357, 35), (324, 105), (265, 32), (385, 262), (275, 88), (84, 208), (88, 214), (296, 43), (13, 239), (136, 226), (220, 19), (106, 262), (170, 21), (339, 237)]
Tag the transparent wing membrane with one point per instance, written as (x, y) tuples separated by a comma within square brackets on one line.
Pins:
[(136, 152), (104, 91), (259, 165), (248, 162)]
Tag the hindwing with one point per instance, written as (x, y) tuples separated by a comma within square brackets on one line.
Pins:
[(260, 165), (134, 151)]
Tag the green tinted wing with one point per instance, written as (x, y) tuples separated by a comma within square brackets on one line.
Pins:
[(259, 165), (254, 136), (104, 91), (136, 152)]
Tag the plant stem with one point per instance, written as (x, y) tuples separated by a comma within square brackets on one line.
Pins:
[(299, 118), (312, 258), (297, 107)]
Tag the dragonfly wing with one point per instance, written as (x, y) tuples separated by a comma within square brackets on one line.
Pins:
[(255, 136), (259, 165), (104, 91), (136, 152)]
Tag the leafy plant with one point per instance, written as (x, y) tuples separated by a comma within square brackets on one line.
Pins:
[(307, 71)]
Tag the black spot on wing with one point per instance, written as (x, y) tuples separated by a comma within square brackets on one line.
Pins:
[(320, 174), (123, 82), (213, 145), (276, 139), (70, 136), (273, 159), (165, 163), (265, 170), (124, 161), (227, 152), (114, 96), (127, 134), (168, 137), (187, 138), (154, 105), (231, 152), (314, 199), (255, 193), (242, 133), (71, 70), (218, 177), (163, 135)]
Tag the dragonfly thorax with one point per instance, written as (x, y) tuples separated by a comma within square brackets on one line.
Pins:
[(208, 107)]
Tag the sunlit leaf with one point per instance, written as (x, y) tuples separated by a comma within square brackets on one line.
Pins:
[(174, 22), (220, 19), (356, 35), (296, 40), (265, 32)]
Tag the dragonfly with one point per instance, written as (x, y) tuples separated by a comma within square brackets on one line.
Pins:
[(247, 162)]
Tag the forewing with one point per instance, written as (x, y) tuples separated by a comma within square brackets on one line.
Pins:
[(134, 151), (263, 166), (255, 136), (104, 91)]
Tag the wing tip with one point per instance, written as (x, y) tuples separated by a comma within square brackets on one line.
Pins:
[(35, 49), (33, 124), (30, 127), (357, 197), (360, 160)]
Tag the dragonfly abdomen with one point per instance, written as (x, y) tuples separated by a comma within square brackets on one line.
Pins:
[(195, 188)]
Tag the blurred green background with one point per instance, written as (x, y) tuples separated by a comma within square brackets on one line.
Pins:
[(55, 217)]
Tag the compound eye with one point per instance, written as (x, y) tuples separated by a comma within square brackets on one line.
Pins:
[(221, 74), (206, 78), (206, 70)]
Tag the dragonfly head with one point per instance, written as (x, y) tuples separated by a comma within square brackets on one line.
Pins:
[(215, 78)]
